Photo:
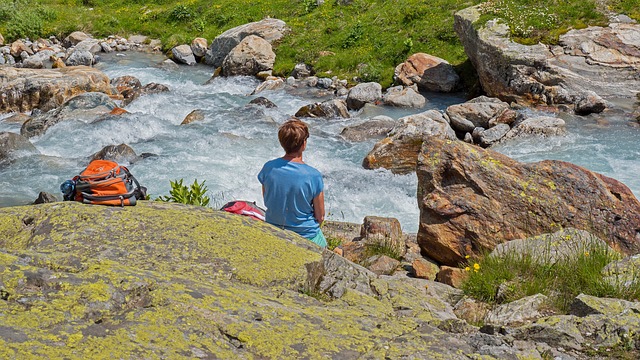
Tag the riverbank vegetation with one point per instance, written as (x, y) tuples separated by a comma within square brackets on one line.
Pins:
[(363, 38)]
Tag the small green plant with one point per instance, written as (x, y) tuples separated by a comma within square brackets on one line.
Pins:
[(355, 34), (180, 13), (309, 5), (370, 73), (382, 247), (333, 242), (192, 195)]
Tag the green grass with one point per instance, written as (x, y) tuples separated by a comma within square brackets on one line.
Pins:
[(365, 39), (562, 281)]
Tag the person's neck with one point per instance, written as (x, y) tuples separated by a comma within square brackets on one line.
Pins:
[(294, 157)]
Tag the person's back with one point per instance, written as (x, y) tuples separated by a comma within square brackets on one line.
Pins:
[(293, 190)]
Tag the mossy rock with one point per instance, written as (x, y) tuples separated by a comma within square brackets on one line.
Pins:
[(176, 281)]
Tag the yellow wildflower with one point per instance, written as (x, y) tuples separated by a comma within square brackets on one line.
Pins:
[(467, 268), (467, 256), (476, 266), (586, 253)]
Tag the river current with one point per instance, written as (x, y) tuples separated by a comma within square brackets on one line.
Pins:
[(229, 147)]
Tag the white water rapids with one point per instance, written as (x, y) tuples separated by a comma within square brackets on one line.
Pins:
[(230, 146)]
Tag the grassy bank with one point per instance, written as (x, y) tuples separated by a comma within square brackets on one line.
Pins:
[(364, 38)]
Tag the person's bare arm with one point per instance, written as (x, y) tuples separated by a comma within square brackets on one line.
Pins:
[(318, 208)]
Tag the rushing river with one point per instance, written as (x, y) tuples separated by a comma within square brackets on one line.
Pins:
[(230, 146)]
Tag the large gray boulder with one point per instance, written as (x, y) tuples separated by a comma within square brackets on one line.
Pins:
[(399, 151), (400, 96), (39, 60), (83, 53), (252, 55), (75, 38), (540, 126), (13, 146), (183, 54), (376, 127), (474, 113), (362, 94), (326, 109), (603, 60), (122, 154), (86, 107), (429, 72), (269, 29)]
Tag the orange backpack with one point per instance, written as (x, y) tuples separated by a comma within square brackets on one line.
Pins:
[(105, 182)]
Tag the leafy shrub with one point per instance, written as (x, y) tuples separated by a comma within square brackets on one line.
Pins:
[(192, 195), (25, 24), (333, 242), (180, 13), (370, 73), (354, 35)]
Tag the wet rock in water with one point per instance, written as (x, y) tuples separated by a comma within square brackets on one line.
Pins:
[(252, 55), (183, 54), (122, 154), (45, 89), (403, 97), (195, 115), (537, 126), (269, 84), (474, 113), (491, 136), (430, 73), (13, 146), (262, 101), (18, 118), (590, 103), (327, 109), (127, 86), (362, 94), (268, 29), (148, 89), (399, 151), (199, 47), (463, 192), (87, 107), (44, 198), (377, 127)]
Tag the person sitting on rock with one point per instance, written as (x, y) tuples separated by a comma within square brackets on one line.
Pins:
[(294, 191)]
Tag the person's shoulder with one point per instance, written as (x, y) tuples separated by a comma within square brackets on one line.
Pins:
[(273, 162), (312, 170)]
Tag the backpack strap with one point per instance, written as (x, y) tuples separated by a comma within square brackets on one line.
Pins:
[(141, 191)]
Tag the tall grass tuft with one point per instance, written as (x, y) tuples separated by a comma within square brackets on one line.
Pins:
[(511, 276)]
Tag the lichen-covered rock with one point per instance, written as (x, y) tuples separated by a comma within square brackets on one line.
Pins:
[(518, 312), (399, 151), (424, 269), (268, 29), (13, 146), (327, 109), (78, 279), (585, 305), (625, 272), (25, 89), (87, 107), (428, 72), (465, 192)]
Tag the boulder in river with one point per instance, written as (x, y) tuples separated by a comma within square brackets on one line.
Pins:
[(430, 73), (477, 112), (44, 89), (400, 96), (377, 127), (472, 199), (326, 109), (362, 94), (399, 151), (122, 154), (250, 57), (87, 107), (268, 29), (13, 146), (195, 115), (83, 53), (183, 54)]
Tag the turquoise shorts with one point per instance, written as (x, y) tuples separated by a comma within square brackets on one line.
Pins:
[(319, 239)]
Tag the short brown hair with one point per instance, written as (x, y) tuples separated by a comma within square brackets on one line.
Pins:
[(292, 135)]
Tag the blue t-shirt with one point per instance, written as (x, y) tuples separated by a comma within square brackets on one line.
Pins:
[(289, 190)]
